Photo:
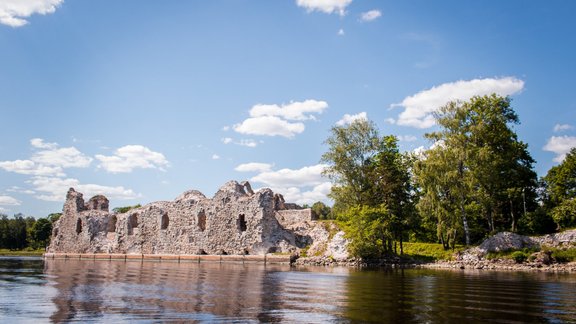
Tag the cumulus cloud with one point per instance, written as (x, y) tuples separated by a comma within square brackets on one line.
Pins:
[(302, 186), (306, 176), (9, 201), (269, 126), (55, 189), (418, 108), (130, 157), (370, 15), (562, 127), (215, 157), (348, 119), (227, 140), (325, 6), (28, 167), (254, 167), (280, 120), (560, 145), (340, 32), (14, 12)]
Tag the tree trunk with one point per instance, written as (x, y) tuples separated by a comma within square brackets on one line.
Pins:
[(513, 229)]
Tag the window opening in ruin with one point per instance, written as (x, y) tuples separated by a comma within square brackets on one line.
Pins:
[(202, 252), (202, 221), (224, 253), (246, 252), (164, 221), (78, 226), (132, 223), (241, 223), (272, 249), (112, 224)]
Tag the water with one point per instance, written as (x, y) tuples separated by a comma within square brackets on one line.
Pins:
[(34, 290)]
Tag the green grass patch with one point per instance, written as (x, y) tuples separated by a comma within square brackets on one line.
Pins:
[(429, 252), (563, 255), (26, 252), (517, 255)]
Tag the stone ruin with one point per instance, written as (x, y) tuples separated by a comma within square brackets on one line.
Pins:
[(236, 221)]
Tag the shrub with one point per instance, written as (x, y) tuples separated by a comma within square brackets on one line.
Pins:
[(519, 256)]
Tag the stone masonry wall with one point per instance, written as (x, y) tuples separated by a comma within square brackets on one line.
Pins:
[(236, 220)]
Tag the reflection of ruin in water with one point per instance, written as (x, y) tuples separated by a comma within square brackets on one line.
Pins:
[(166, 290)]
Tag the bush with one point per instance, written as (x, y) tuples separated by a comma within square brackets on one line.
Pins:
[(519, 256)]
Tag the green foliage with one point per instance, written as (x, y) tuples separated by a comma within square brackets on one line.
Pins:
[(121, 210), (519, 256), (41, 232), (537, 222), (565, 213), (369, 231), (478, 177), (560, 191), (564, 255), (430, 252), (321, 210)]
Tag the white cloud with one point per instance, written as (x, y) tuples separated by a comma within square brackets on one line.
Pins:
[(278, 120), (306, 176), (390, 120), (340, 32), (55, 189), (9, 201), (370, 15), (418, 108), (215, 157), (302, 196), (562, 127), (348, 119), (226, 128), (254, 167), (66, 157), (21, 190), (560, 145), (14, 12), (269, 126), (325, 6), (292, 111), (40, 144), (302, 186), (407, 138), (130, 157), (242, 142), (28, 167)]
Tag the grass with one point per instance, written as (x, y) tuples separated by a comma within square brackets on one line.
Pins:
[(559, 255), (26, 252), (429, 252)]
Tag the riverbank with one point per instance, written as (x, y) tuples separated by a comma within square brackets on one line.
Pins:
[(265, 258), (6, 252)]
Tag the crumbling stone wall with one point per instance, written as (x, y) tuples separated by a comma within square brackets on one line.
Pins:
[(236, 220)]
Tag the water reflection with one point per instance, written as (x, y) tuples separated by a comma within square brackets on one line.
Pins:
[(112, 291), (424, 296)]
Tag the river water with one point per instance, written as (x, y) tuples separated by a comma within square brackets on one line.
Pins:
[(37, 291)]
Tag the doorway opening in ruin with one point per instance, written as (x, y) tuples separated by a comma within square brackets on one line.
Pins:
[(202, 252), (246, 252), (241, 223), (202, 221), (112, 225), (164, 222), (132, 223), (78, 226)]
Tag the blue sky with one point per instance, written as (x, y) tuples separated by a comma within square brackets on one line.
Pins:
[(142, 100)]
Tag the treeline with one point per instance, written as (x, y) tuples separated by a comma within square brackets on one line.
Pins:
[(21, 232), (476, 179)]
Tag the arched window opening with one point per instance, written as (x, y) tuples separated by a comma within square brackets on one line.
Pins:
[(202, 252), (78, 226), (241, 223), (164, 222), (202, 221)]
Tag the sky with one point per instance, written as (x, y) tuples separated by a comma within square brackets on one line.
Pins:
[(143, 100)]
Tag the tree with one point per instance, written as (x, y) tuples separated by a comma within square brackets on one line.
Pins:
[(477, 161), (121, 210), (321, 210), (560, 191), (371, 178), (41, 232)]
